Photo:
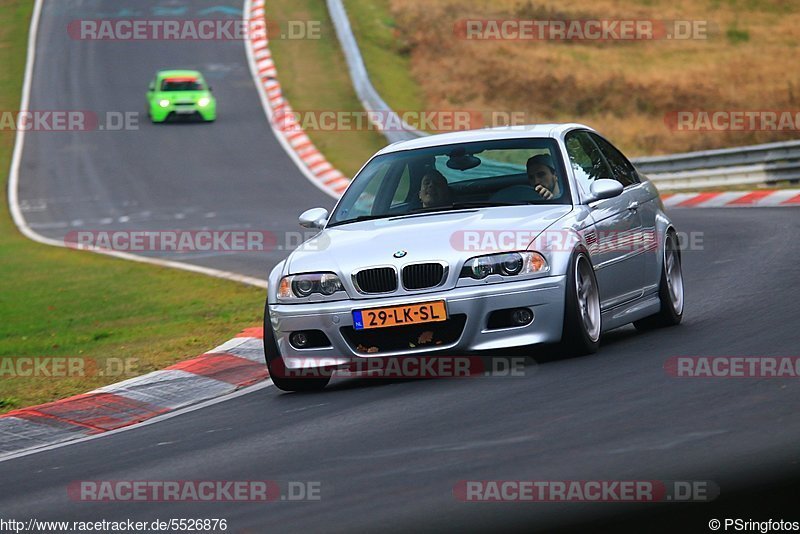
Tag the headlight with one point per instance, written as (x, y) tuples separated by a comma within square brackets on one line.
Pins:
[(304, 285), (203, 102), (506, 264), (163, 103)]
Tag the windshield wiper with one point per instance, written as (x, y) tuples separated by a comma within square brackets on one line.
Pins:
[(432, 209), (361, 218), (464, 205), (483, 204)]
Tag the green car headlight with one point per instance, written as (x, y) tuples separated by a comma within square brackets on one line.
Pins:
[(203, 102), (163, 103)]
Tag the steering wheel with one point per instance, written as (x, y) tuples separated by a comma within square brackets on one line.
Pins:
[(516, 193)]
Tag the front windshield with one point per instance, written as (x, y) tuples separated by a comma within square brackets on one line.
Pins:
[(180, 84), (483, 173)]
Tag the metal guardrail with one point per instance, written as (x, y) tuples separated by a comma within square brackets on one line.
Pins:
[(755, 164), (366, 92)]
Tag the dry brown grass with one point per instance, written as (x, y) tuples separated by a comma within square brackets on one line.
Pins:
[(623, 89)]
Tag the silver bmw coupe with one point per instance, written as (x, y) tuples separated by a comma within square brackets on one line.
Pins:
[(474, 241)]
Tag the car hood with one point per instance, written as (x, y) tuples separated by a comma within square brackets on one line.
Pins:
[(446, 236)]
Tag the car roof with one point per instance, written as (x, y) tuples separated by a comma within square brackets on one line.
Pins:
[(553, 130), (176, 73)]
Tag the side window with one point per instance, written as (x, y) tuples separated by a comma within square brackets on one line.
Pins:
[(623, 170), (585, 159)]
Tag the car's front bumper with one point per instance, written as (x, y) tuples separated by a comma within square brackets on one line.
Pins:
[(206, 113), (545, 296)]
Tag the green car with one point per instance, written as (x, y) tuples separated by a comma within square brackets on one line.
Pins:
[(176, 94)]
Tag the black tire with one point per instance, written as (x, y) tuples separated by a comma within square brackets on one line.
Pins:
[(671, 312), (578, 338), (277, 370)]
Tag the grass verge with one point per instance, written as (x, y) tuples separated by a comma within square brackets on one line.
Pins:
[(629, 90), (60, 303), (314, 77), (386, 53)]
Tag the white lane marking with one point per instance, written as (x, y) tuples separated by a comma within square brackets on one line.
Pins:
[(13, 184), (50, 225)]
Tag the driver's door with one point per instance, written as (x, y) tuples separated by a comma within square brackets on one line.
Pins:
[(617, 223)]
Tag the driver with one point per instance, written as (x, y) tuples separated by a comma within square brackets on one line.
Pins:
[(542, 175), (433, 191)]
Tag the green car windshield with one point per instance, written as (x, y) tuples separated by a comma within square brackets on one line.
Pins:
[(181, 85)]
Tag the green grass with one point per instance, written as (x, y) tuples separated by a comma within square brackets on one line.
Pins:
[(64, 303), (314, 77), (736, 35), (385, 54)]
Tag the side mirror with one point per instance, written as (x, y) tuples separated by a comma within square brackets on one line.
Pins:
[(605, 188), (151, 87), (314, 218), (210, 88)]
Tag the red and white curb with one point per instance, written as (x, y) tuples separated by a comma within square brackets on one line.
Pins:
[(231, 366), (734, 199), (283, 121)]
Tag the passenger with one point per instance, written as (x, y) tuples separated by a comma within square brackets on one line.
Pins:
[(433, 191), (542, 175)]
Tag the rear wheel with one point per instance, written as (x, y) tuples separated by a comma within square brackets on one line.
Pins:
[(277, 370), (670, 289), (582, 320)]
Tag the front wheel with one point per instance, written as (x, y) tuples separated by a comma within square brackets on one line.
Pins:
[(582, 320), (670, 289), (277, 371)]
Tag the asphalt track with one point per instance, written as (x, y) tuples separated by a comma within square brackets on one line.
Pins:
[(387, 454), (228, 175)]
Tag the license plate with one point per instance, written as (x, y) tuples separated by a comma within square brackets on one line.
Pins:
[(427, 312), (184, 110)]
